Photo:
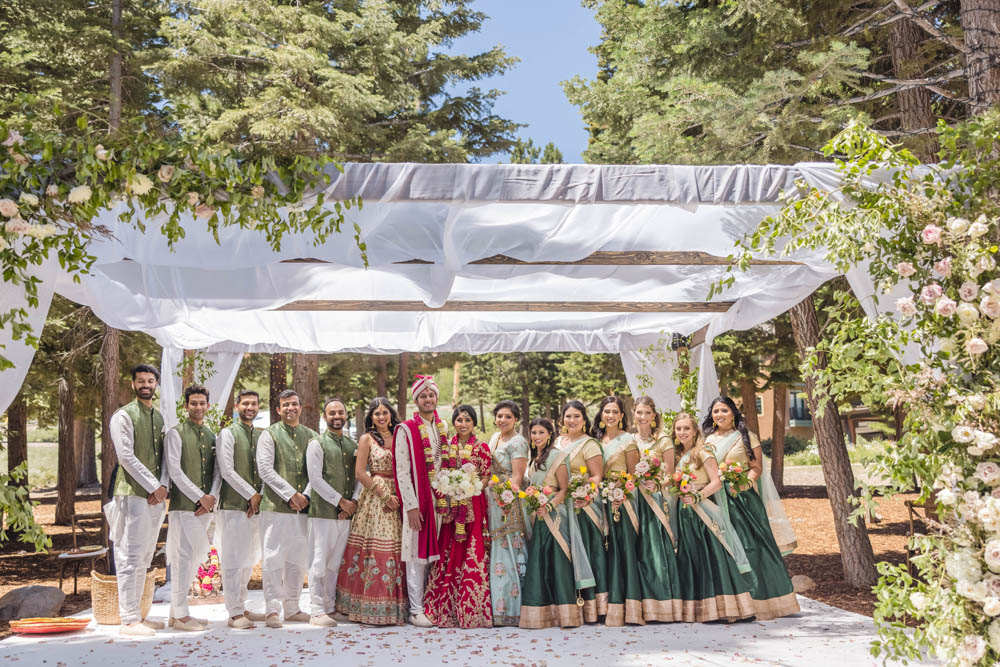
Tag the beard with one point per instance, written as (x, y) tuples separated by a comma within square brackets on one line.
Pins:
[(145, 392), (336, 423)]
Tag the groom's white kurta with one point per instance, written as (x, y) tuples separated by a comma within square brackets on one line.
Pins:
[(238, 535), (405, 474)]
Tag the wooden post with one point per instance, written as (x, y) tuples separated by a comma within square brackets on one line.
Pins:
[(86, 456), (381, 376), (856, 554), (778, 420), (278, 383), (404, 385), (305, 380), (66, 475)]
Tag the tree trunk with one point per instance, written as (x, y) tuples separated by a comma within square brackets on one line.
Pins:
[(17, 436), (525, 411), (456, 378), (115, 74), (359, 420), (778, 436), (86, 455), (187, 375), (404, 377), (748, 392), (227, 412), (856, 553), (980, 21), (278, 382), (110, 394), (305, 380), (381, 376), (914, 103), (67, 471)]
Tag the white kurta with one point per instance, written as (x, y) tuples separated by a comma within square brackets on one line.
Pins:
[(405, 474), (327, 537), (187, 534), (133, 524)]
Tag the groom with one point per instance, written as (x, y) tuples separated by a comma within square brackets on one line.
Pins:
[(418, 445)]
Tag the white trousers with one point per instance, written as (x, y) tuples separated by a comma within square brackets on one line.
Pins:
[(138, 527), (416, 579), (327, 541), (187, 548), (285, 539), (238, 541)]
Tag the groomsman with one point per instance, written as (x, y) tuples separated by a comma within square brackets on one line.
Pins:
[(140, 488), (239, 503), (281, 462), (415, 440), (332, 502), (194, 490)]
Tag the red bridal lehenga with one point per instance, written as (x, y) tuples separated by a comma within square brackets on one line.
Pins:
[(372, 587), (458, 587)]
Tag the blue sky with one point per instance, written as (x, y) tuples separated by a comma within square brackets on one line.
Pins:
[(551, 37)]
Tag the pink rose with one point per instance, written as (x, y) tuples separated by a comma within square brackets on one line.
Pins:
[(942, 268), (968, 290), (630, 485), (931, 234), (990, 306), (906, 307), (905, 269), (976, 346), (204, 211), (931, 293), (945, 307), (547, 490), (654, 461)]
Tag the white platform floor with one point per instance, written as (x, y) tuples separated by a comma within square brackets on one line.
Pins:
[(819, 636)]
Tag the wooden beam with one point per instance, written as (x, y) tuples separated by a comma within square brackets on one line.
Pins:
[(604, 258), (698, 337), (514, 306)]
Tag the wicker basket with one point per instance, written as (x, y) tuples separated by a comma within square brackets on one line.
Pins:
[(104, 597)]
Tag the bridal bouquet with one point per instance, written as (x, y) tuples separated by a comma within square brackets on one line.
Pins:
[(684, 481), (459, 485), (616, 488), (649, 473), (506, 495), (535, 498), (581, 488), (737, 474)]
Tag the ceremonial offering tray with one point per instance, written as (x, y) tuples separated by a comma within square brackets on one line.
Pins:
[(45, 626)]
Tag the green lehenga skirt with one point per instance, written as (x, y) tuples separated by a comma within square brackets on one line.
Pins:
[(658, 578), (595, 600), (624, 589), (549, 594), (773, 594), (712, 587)]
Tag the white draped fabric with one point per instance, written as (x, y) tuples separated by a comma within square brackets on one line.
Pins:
[(221, 297)]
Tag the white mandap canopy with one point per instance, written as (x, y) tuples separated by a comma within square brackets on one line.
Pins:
[(471, 258)]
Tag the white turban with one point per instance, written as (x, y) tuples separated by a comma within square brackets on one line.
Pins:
[(422, 382)]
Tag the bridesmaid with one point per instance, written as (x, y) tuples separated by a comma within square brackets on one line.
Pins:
[(714, 573), (620, 456), (551, 583), (584, 453), (371, 587), (655, 543), (727, 432), (508, 550)]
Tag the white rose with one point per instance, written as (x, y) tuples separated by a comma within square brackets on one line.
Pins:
[(976, 346), (918, 600), (79, 194), (957, 226), (968, 291), (140, 184), (977, 229), (28, 199), (8, 208), (994, 634), (972, 649), (985, 439), (963, 565), (993, 335), (992, 583), (988, 472), (991, 554), (989, 515), (963, 434), (986, 263), (967, 313), (976, 401), (52, 190), (947, 346), (971, 591), (165, 173), (945, 307), (905, 269), (17, 226), (974, 450), (991, 607), (907, 308), (946, 497), (101, 153), (990, 306)]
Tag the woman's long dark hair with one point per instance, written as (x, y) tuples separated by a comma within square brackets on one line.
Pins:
[(539, 456), (599, 432), (576, 405), (370, 423), (739, 423)]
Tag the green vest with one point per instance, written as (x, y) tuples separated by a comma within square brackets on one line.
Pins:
[(197, 462), (244, 463), (338, 472), (289, 462), (147, 444)]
